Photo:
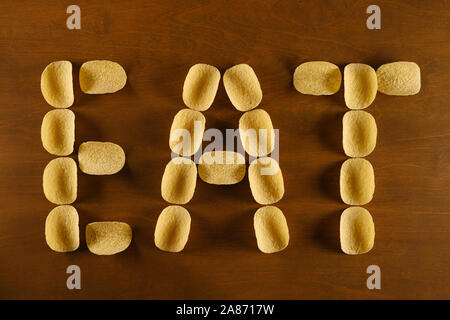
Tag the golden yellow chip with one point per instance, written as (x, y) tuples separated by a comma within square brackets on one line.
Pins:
[(360, 85), (200, 86), (108, 237), (357, 181), (100, 158), (58, 132), (172, 229), (271, 229), (400, 78), (179, 180), (61, 229), (257, 133), (317, 78), (57, 84), (186, 133), (102, 76), (357, 231), (359, 133), (242, 87), (221, 167), (60, 181), (266, 180)]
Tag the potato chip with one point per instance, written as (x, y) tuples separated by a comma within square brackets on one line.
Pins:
[(359, 133), (200, 86), (357, 181), (58, 132), (186, 133), (317, 78), (242, 87), (108, 237), (271, 229), (172, 229), (179, 180), (257, 133), (400, 78), (266, 180), (100, 158), (102, 76), (57, 84), (357, 231), (60, 181), (360, 85), (61, 229), (221, 167)]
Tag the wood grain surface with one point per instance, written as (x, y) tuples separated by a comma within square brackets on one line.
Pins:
[(157, 42)]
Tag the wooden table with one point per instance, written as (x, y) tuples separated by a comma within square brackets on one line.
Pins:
[(157, 42)]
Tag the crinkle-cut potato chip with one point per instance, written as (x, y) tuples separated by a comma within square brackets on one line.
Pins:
[(360, 85), (200, 86), (102, 76), (317, 78), (357, 231), (266, 180), (242, 86), (179, 180), (100, 158), (186, 133), (400, 78), (58, 132), (357, 181), (271, 229), (61, 229), (57, 84), (172, 229), (359, 133), (257, 133), (60, 181), (221, 167), (108, 237)]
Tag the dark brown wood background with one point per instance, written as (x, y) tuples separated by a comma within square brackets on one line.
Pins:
[(157, 42)]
